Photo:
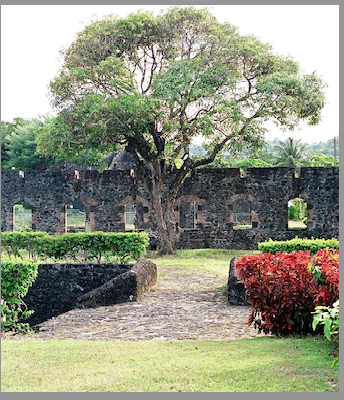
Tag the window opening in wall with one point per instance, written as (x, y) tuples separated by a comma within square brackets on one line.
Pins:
[(297, 214), (22, 217), (76, 218), (242, 214), (130, 216), (188, 214)]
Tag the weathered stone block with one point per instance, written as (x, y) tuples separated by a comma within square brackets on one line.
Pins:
[(236, 289), (59, 288), (129, 286)]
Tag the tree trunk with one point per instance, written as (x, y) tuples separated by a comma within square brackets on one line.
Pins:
[(162, 214), (162, 198)]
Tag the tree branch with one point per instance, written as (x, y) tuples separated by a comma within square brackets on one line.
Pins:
[(217, 148), (159, 141)]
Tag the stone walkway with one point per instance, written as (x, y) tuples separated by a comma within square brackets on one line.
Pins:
[(181, 306)]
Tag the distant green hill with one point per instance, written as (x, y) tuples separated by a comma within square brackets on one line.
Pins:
[(326, 148), (227, 160)]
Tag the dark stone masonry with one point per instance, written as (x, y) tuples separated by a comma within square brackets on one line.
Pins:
[(59, 288), (215, 208), (236, 290)]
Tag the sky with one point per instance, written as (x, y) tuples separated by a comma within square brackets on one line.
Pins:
[(33, 35)]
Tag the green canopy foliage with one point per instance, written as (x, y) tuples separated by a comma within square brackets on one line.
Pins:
[(18, 145), (151, 84), (6, 130), (145, 80), (251, 163), (320, 160)]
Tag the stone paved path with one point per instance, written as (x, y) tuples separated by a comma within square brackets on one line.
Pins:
[(181, 306)]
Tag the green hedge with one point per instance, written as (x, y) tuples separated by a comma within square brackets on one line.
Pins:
[(296, 244), (12, 242), (90, 246), (16, 278)]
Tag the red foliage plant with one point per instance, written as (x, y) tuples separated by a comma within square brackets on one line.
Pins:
[(283, 292)]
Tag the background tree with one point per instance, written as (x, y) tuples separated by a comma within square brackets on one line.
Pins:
[(319, 160), (251, 163), (290, 153), (151, 84), (222, 160), (264, 155), (326, 148), (6, 129), (20, 145)]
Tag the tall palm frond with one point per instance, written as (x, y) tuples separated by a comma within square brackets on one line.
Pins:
[(291, 153)]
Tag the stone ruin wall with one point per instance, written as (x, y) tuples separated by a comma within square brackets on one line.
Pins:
[(206, 207), (59, 288)]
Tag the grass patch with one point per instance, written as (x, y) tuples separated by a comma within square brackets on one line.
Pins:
[(212, 261), (296, 225), (262, 364), (248, 365)]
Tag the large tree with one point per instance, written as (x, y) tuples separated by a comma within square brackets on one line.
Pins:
[(153, 83)]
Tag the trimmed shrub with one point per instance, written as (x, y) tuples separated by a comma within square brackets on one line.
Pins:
[(92, 246), (16, 278), (296, 244), (282, 291), (12, 242)]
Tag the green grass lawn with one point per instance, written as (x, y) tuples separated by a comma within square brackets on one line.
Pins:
[(247, 365), (262, 364), (212, 261), (296, 224)]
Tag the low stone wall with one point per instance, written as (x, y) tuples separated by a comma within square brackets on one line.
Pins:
[(59, 288), (129, 286), (236, 290)]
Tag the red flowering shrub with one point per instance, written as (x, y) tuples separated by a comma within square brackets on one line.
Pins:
[(283, 291), (325, 268)]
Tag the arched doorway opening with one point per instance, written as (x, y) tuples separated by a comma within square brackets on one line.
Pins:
[(130, 216), (22, 217), (242, 214), (76, 217), (297, 214), (188, 214)]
